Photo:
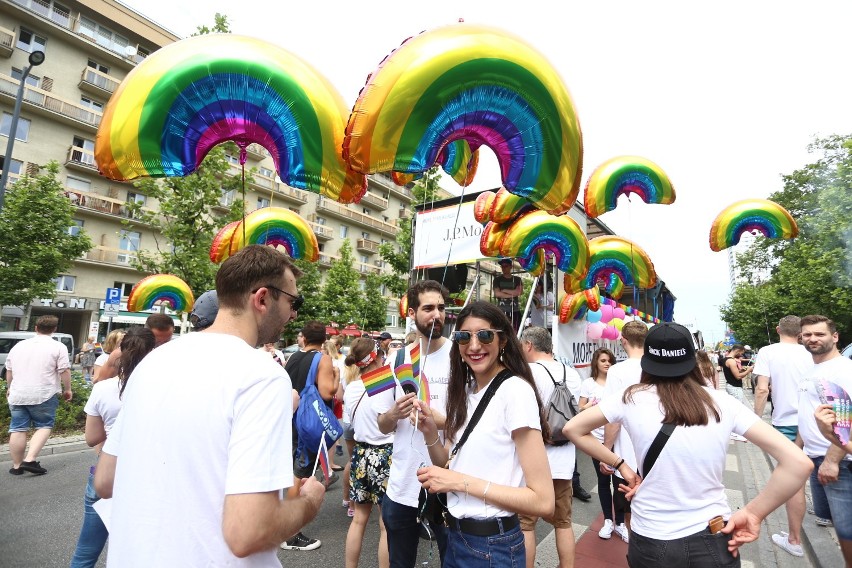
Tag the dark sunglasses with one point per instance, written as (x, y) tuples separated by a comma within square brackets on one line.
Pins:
[(484, 336), (296, 302)]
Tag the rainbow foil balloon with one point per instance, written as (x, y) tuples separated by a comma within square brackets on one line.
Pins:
[(614, 286), (456, 159), (267, 226), (160, 288), (761, 215), (559, 235), (610, 254), (187, 97), (576, 305), (481, 85), (624, 175)]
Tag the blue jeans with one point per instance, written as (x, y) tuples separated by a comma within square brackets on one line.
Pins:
[(93, 533), (839, 495), (699, 550), (39, 416), (821, 508), (404, 534), (468, 551)]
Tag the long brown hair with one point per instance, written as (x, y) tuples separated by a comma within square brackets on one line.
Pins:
[(597, 355), (684, 399), (708, 370), (136, 343), (512, 358)]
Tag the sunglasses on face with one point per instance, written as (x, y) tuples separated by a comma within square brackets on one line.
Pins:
[(484, 336), (296, 302)]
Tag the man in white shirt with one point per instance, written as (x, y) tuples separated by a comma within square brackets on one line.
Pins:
[(201, 451), (34, 369), (620, 376), (782, 365), (832, 465), (538, 351)]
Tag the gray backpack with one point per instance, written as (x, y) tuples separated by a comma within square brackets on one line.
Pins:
[(559, 408)]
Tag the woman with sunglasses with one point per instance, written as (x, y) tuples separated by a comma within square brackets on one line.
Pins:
[(371, 458), (502, 468)]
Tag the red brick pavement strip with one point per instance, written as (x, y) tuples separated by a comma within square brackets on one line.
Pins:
[(594, 552)]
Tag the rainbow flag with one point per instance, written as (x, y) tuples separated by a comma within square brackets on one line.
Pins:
[(406, 377), (378, 380), (323, 460), (415, 361), (423, 391)]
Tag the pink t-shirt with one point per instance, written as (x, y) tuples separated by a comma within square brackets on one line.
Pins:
[(36, 364)]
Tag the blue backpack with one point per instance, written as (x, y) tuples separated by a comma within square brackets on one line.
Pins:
[(313, 417)]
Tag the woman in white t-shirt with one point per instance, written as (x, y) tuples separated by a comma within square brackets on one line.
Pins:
[(591, 393), (113, 340), (371, 458), (350, 374), (102, 409), (502, 468), (680, 514)]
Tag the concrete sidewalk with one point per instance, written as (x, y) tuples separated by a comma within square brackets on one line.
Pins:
[(55, 445)]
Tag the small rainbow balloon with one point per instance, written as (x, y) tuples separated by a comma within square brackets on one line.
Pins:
[(574, 306), (479, 84), (761, 215), (610, 254), (403, 306), (624, 175), (534, 264), (559, 235), (268, 226), (196, 93), (160, 288), (456, 159), (614, 286)]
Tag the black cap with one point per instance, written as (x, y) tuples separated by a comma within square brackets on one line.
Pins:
[(385, 335), (505, 261), (669, 351)]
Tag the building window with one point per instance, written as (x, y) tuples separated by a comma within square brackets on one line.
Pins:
[(32, 80), (15, 166), (362, 285), (344, 231), (128, 241), (266, 172), (91, 103), (78, 184), (65, 283), (22, 132), (364, 259), (95, 65), (125, 288), (136, 198), (365, 235), (30, 41), (76, 228), (228, 196), (262, 202), (232, 159), (391, 321), (365, 211), (320, 221), (321, 247)]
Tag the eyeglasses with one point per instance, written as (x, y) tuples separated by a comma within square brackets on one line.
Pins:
[(484, 336), (296, 302)]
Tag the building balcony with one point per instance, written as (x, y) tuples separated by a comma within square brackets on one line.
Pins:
[(366, 245), (81, 159), (325, 260), (256, 151), (7, 38), (364, 268), (97, 83), (334, 208), (44, 102), (100, 204), (112, 256), (374, 200), (385, 182), (322, 232), (263, 183)]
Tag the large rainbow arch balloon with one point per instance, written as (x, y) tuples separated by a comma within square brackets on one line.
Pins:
[(624, 175), (187, 97), (762, 215), (610, 254), (559, 235), (479, 84), (457, 159), (272, 226), (160, 288)]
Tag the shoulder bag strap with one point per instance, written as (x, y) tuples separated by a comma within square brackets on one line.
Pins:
[(548, 372), (354, 410), (312, 372), (656, 447), (480, 409)]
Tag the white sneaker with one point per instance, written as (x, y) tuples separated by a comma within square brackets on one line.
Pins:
[(606, 529), (781, 540), (621, 530)]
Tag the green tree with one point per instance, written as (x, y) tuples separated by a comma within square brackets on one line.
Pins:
[(374, 306), (811, 274), (220, 26), (185, 224), (340, 298), (310, 286), (37, 244)]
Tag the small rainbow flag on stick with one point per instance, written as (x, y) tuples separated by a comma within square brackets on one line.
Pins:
[(406, 378), (423, 391), (322, 459), (378, 380), (415, 361)]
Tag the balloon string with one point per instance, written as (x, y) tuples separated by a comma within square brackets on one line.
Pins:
[(243, 183)]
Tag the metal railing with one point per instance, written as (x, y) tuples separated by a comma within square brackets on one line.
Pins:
[(386, 182), (367, 245), (100, 80), (335, 208), (48, 101), (6, 38), (109, 255), (100, 203), (321, 231), (374, 200), (81, 156)]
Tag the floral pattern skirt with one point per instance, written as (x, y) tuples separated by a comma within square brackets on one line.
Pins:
[(368, 476)]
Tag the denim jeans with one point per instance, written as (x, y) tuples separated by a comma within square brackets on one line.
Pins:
[(839, 495), (403, 533), (699, 550), (503, 549), (821, 508), (93, 534)]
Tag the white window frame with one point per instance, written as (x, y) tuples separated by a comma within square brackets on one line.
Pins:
[(65, 283), (39, 41), (6, 127)]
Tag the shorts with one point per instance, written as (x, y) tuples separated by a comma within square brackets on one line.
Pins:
[(348, 432), (368, 476), (561, 519), (790, 432), (40, 416)]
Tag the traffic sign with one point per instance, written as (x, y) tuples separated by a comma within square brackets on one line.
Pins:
[(113, 296), (111, 310)]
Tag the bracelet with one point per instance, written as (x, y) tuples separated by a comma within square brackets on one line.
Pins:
[(615, 462), (465, 487), (484, 493), (435, 442), (618, 464)]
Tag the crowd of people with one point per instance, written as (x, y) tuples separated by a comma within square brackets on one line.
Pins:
[(474, 465)]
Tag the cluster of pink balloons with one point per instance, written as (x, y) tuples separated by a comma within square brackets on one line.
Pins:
[(605, 323)]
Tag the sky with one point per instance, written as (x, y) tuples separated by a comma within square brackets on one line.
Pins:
[(725, 96)]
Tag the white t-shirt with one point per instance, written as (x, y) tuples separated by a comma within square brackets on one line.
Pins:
[(685, 488), (409, 448), (36, 365), (104, 402), (619, 377), (203, 417), (561, 458), (785, 364), (365, 421), (490, 451), (594, 392), (541, 316), (837, 370), (102, 359)]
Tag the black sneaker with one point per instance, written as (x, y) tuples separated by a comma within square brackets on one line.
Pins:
[(301, 542), (33, 467), (16, 471), (582, 494)]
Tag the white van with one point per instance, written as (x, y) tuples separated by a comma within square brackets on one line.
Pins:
[(8, 339)]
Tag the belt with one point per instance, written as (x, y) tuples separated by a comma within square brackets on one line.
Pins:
[(478, 527)]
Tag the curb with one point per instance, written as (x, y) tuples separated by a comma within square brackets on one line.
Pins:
[(60, 447)]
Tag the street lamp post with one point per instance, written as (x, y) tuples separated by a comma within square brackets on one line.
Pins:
[(36, 58)]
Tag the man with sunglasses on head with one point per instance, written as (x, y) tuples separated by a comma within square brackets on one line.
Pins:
[(199, 457), (404, 502)]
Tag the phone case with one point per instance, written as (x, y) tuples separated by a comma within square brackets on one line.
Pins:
[(839, 399)]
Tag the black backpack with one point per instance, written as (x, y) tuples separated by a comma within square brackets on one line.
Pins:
[(559, 408)]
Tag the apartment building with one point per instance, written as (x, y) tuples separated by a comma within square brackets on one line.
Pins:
[(90, 46)]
